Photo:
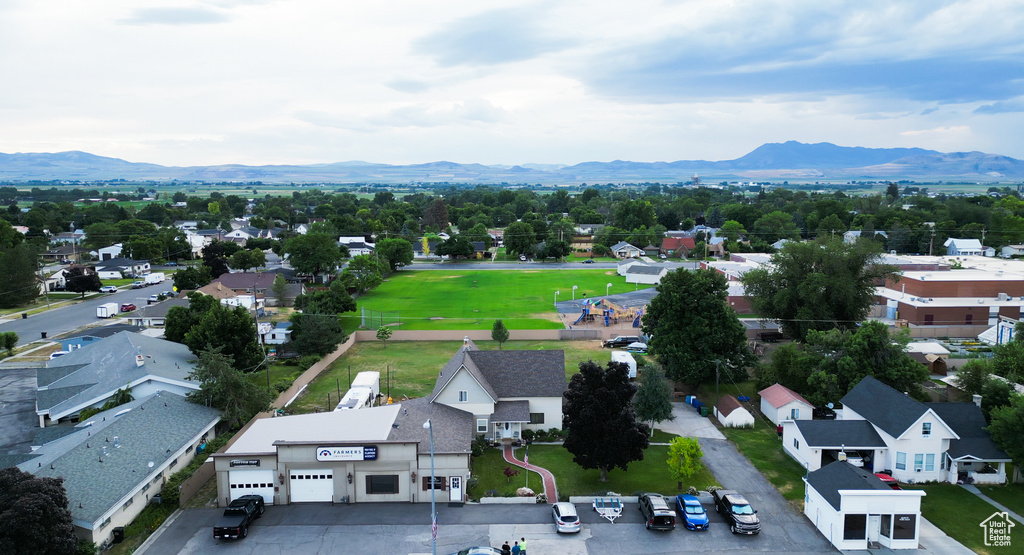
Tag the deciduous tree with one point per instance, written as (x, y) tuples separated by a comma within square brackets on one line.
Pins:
[(80, 279), (603, 431), (232, 331), (34, 515), (245, 259), (314, 253), (8, 341), (1006, 427), (192, 278), (396, 251), (652, 396), (18, 281), (519, 239), (684, 458), (691, 326), (223, 387)]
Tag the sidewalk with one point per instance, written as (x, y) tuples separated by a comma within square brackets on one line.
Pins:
[(992, 502), (550, 491)]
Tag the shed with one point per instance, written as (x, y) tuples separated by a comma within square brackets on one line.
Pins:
[(779, 403), (731, 413)]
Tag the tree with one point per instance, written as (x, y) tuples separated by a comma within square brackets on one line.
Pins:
[(18, 282), (230, 330), (215, 259), (280, 288), (436, 215), (1006, 427), (180, 319), (455, 246), (223, 387), (776, 225), (34, 515), (367, 272), (684, 458), (818, 285), (603, 429), (334, 300), (192, 278), (499, 333), (652, 396), (396, 251), (732, 230), (519, 239), (994, 394), (79, 279), (973, 375), (8, 341), (383, 334), (510, 473), (314, 253), (245, 259), (316, 334), (691, 326)]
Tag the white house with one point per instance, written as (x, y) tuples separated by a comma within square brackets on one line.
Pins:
[(623, 249), (646, 274), (779, 403), (853, 509), (731, 413), (963, 247), (279, 334), (854, 234), (625, 264), (506, 391), (107, 253), (916, 442), (356, 245), (1012, 250)]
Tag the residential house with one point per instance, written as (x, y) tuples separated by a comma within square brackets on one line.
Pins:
[(1012, 250), (646, 273), (116, 268), (430, 254), (854, 234), (154, 315), (91, 335), (625, 264), (73, 237), (90, 376), (506, 391), (186, 225), (56, 281), (732, 414), (963, 247), (116, 462), (651, 250), (247, 282), (109, 253), (916, 442), (855, 510), (623, 249), (779, 403), (681, 247), (278, 335), (356, 245), (72, 253)]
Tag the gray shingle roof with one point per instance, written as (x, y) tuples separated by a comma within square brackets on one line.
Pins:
[(158, 310), (505, 374), (645, 269), (968, 422), (511, 411), (885, 407), (829, 479), (154, 429), (103, 367), (453, 428), (833, 434), (623, 245), (104, 331)]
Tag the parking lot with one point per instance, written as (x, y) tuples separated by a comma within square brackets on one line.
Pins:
[(375, 528)]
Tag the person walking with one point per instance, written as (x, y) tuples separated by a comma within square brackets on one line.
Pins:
[(505, 549), (522, 546), (516, 550)]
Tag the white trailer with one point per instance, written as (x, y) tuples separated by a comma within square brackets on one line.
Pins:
[(155, 278), (106, 310), (627, 359), (368, 380), (356, 398)]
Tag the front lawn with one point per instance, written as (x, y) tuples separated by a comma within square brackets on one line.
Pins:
[(1010, 496), (488, 470), (473, 299), (959, 513), (414, 366)]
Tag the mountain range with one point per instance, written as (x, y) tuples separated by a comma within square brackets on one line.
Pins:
[(792, 160)]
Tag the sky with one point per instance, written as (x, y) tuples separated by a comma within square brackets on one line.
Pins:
[(201, 82)]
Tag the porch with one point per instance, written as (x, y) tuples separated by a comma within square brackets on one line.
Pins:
[(974, 471), (508, 421)]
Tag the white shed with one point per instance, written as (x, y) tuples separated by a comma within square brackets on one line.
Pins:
[(779, 403), (731, 413)]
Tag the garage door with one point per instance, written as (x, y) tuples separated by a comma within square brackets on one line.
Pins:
[(252, 482), (311, 485)]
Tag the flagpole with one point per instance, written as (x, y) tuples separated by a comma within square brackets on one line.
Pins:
[(526, 461)]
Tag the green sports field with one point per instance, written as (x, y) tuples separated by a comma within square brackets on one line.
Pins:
[(473, 299)]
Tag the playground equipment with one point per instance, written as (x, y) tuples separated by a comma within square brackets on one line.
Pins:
[(611, 312)]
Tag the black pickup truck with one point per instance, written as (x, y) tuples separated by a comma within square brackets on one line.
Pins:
[(238, 516), (742, 518)]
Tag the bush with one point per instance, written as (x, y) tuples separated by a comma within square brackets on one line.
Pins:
[(307, 361), (170, 492), (528, 435), (281, 386)]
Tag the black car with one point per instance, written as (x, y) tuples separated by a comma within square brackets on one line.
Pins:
[(238, 516), (621, 341), (588, 261), (823, 413), (657, 514)]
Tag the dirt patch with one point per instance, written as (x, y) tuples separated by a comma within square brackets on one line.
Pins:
[(611, 273), (436, 318), (545, 316)]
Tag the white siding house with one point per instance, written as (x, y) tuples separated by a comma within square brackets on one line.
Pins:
[(779, 403), (963, 247)]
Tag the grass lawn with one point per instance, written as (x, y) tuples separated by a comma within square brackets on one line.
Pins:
[(415, 364), (278, 372), (489, 469), (958, 513), (473, 299), (1011, 495)]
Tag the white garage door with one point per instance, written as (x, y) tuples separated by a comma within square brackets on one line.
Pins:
[(311, 485), (252, 482)]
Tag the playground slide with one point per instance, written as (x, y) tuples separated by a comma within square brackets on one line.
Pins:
[(582, 316)]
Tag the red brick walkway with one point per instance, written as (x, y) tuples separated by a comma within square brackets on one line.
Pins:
[(550, 491)]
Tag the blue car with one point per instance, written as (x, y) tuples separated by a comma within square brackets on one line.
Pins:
[(694, 516)]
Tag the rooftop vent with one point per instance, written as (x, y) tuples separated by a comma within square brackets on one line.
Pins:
[(140, 360)]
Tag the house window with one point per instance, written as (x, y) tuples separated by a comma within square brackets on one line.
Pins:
[(127, 503), (463, 396), (536, 418), (926, 429), (901, 461), (929, 462), (377, 484), (918, 462), (794, 414), (904, 527), (796, 443), (885, 527), (481, 425), (855, 527)]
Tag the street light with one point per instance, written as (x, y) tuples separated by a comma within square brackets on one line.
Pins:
[(433, 506), (556, 296), (606, 288), (574, 288)]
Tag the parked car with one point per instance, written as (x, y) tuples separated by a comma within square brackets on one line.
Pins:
[(108, 289), (742, 518), (566, 518), (128, 307), (657, 514), (522, 258), (662, 256), (693, 513), (238, 516), (638, 347), (171, 263), (823, 413), (138, 285), (169, 294), (481, 550), (621, 341), (588, 261), (153, 299)]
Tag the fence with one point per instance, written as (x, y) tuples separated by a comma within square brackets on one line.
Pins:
[(315, 370), (197, 480)]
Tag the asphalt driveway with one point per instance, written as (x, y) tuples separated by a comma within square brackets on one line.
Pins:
[(17, 409)]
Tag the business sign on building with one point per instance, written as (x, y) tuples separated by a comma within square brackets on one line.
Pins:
[(245, 462), (360, 453)]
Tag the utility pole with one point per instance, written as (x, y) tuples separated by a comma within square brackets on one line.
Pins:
[(931, 242), (983, 237)]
